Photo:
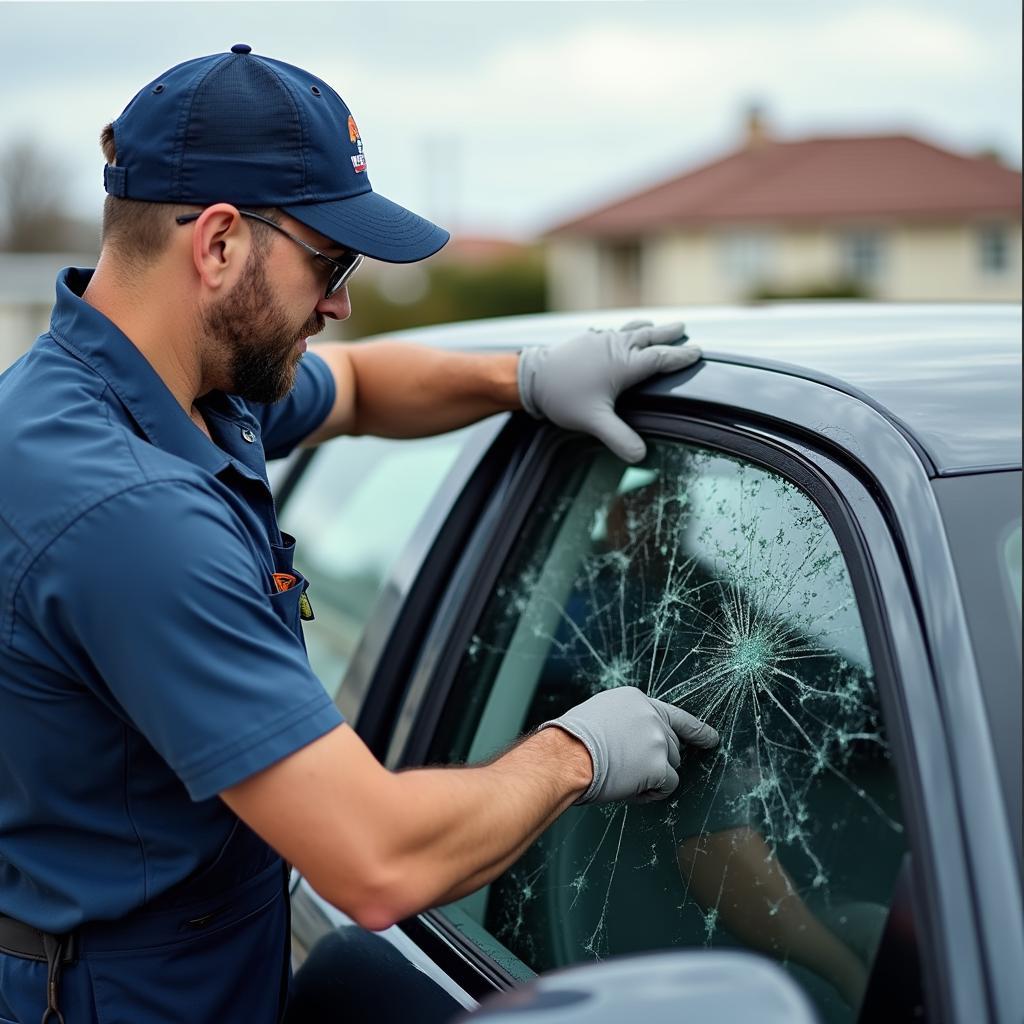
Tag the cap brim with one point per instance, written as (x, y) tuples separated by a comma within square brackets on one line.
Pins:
[(374, 226)]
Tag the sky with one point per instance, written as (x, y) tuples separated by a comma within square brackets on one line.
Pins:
[(505, 119)]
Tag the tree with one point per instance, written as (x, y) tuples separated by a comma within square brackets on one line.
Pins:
[(33, 217)]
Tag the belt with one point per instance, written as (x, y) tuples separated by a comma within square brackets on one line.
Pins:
[(20, 939), (140, 929)]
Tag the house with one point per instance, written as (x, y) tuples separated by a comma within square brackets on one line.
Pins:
[(888, 217)]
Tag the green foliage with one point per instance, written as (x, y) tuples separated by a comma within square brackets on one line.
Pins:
[(456, 291), (840, 288)]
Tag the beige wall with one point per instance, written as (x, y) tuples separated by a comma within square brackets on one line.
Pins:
[(683, 270), (586, 276), (699, 267), (943, 263), (573, 275)]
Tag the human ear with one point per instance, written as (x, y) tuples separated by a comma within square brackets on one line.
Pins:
[(220, 246)]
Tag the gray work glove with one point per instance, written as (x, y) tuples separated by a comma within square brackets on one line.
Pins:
[(575, 384), (633, 741)]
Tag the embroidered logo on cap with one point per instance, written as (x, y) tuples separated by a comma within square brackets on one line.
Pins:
[(358, 159)]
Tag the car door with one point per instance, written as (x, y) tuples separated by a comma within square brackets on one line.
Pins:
[(730, 574)]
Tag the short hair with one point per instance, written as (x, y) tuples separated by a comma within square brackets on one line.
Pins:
[(138, 231)]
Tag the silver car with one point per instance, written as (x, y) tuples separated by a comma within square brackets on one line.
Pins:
[(821, 555)]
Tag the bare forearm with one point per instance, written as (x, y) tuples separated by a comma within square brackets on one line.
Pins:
[(401, 390), (496, 867), (381, 845), (494, 813)]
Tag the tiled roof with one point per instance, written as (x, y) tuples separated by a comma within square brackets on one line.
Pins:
[(874, 178)]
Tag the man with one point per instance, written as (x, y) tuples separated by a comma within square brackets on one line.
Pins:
[(163, 741)]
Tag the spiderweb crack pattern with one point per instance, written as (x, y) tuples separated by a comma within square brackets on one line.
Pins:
[(716, 585)]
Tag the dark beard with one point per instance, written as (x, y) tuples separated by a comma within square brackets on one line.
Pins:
[(257, 337)]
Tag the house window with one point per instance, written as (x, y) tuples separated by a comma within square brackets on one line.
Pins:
[(994, 248), (747, 257), (861, 255)]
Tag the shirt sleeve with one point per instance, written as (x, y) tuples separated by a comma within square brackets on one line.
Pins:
[(156, 599), (287, 423)]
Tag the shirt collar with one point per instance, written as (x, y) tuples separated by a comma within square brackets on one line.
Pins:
[(94, 339)]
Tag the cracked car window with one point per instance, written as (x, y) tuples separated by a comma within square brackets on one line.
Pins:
[(716, 584)]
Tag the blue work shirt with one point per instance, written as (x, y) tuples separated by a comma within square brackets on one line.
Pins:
[(147, 659)]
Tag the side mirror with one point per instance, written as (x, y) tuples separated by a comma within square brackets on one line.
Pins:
[(658, 988)]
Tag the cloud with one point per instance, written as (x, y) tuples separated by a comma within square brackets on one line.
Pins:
[(508, 112), (616, 70)]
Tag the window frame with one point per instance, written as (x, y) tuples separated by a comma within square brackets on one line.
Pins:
[(993, 249), (463, 597), (382, 671), (748, 257), (862, 254)]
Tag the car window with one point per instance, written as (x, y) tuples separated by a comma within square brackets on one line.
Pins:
[(715, 584), (352, 511)]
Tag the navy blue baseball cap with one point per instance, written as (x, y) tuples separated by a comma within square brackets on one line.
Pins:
[(244, 129)]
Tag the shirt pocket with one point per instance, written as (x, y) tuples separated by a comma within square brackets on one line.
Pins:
[(288, 603), (288, 586)]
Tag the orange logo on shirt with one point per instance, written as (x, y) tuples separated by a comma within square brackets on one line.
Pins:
[(284, 581)]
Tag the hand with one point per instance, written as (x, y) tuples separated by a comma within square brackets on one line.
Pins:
[(575, 384), (633, 741)]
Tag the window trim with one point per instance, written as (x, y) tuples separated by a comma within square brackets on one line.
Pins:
[(487, 555), (854, 245), (432, 555), (464, 961), (993, 237), (748, 257)]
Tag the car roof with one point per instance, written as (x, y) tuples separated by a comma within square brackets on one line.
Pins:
[(949, 375)]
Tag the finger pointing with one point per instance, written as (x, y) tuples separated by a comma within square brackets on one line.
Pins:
[(687, 727)]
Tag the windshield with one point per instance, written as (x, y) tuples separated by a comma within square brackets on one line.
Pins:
[(982, 515)]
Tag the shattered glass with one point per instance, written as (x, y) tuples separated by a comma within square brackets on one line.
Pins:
[(717, 585)]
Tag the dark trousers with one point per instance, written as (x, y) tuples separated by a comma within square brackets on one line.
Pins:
[(353, 976), (213, 950), (220, 960)]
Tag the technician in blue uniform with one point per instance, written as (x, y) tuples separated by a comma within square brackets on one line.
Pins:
[(163, 741)]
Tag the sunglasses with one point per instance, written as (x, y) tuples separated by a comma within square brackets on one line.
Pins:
[(341, 269)]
